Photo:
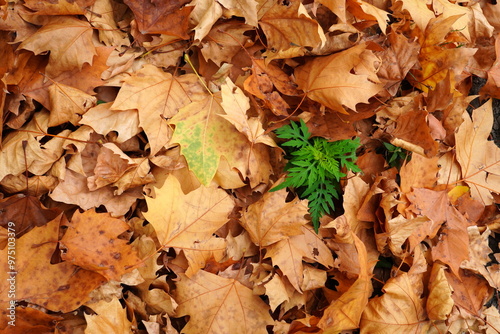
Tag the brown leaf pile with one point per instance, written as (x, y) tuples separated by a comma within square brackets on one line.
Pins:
[(137, 155)]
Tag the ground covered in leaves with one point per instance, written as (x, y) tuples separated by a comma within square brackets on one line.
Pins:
[(138, 150)]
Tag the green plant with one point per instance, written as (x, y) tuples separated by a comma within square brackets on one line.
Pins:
[(314, 167), (395, 155)]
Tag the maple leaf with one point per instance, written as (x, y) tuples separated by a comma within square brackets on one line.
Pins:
[(104, 120), (74, 190), (22, 151), (181, 220), (220, 305), (159, 17), (364, 10), (479, 158), (272, 219), (110, 317), (288, 26), (399, 309), (102, 16), (329, 81), (236, 104), (57, 287), (205, 136), (288, 253), (60, 7), (452, 247), (68, 104), (69, 41), (26, 212), (157, 95), (345, 312), (439, 302), (109, 256)]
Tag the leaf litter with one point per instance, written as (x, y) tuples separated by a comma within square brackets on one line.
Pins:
[(138, 151)]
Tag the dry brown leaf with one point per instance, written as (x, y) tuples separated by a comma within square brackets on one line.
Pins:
[(109, 255), (157, 95), (110, 317), (220, 305), (288, 254), (345, 312), (69, 41), (439, 301), (479, 158), (57, 287), (182, 220), (288, 27), (399, 310), (272, 219), (329, 80)]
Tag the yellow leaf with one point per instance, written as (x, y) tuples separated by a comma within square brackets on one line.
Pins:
[(110, 318), (182, 220)]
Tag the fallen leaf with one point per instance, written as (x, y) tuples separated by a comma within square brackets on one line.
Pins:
[(220, 305), (399, 310), (288, 254), (169, 18), (110, 317), (345, 312), (60, 7), (439, 301), (69, 41), (329, 81), (181, 220), (109, 255), (283, 35), (272, 219), (57, 287), (479, 158)]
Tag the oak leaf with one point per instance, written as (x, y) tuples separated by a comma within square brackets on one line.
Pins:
[(57, 287), (69, 41), (181, 220), (220, 305), (479, 158), (92, 243), (329, 80)]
